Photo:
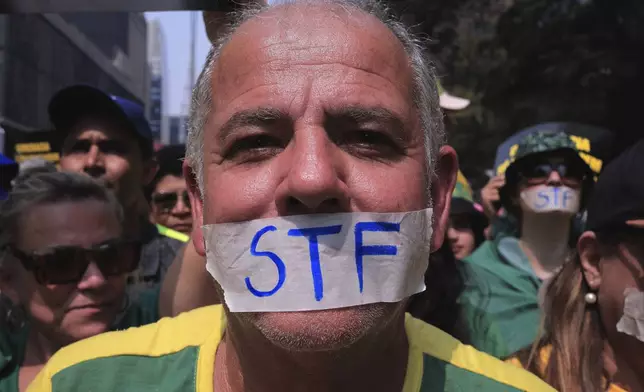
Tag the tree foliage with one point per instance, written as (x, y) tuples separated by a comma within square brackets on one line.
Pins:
[(524, 62)]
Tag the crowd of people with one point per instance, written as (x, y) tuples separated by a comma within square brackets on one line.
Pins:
[(130, 269)]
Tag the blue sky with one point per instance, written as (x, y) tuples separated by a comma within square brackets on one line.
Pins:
[(176, 28)]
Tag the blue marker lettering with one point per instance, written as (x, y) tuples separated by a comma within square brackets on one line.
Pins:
[(314, 254), (567, 196), (281, 268), (542, 196), (556, 195), (372, 250)]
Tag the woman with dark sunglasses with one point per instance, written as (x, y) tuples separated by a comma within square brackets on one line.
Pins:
[(545, 187), (593, 329), (63, 271)]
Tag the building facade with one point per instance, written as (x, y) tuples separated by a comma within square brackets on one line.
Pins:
[(158, 82), (43, 53), (177, 129)]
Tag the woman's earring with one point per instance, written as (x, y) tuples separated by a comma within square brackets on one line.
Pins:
[(590, 298)]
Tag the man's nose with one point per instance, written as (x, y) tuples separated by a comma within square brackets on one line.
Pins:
[(180, 207), (554, 178), (92, 279), (94, 165), (314, 183)]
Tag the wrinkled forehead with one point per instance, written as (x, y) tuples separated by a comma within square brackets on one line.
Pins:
[(287, 36)]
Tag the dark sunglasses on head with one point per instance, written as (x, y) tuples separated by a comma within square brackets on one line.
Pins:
[(167, 201), (113, 147), (68, 264)]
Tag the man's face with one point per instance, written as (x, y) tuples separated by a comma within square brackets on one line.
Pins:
[(314, 114), (170, 204), (102, 149)]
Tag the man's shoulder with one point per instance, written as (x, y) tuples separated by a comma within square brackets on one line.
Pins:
[(158, 251), (498, 304), (481, 269), (101, 354), (487, 267), (162, 239), (452, 365)]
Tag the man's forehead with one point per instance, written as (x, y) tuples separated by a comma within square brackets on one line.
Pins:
[(310, 34), (98, 128)]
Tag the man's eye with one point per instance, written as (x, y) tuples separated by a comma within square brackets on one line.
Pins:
[(371, 142), (254, 147), (81, 146), (112, 147)]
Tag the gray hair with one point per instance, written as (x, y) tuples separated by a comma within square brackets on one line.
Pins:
[(425, 89), (45, 185)]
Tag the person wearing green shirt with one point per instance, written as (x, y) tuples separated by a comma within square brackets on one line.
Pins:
[(545, 187), (64, 263)]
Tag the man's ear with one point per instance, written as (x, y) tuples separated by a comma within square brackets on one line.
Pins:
[(590, 256), (196, 202), (442, 187), (150, 169)]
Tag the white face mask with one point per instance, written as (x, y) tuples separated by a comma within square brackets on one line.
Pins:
[(632, 321), (545, 198)]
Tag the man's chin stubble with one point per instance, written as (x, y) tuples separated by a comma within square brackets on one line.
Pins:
[(328, 330)]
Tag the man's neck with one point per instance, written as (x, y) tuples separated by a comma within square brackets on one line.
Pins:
[(135, 214), (39, 348), (249, 362), (544, 239)]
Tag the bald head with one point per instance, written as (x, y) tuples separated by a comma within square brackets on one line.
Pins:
[(293, 32)]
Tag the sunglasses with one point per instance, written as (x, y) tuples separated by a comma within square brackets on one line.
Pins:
[(167, 201), (542, 170), (68, 264)]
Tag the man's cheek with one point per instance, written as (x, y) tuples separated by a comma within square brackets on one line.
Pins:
[(70, 164)]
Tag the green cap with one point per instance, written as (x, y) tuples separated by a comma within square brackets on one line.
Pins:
[(544, 141)]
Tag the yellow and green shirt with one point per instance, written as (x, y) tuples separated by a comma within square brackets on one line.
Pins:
[(178, 354), (544, 359)]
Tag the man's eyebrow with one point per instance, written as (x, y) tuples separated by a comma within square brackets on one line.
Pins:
[(359, 115), (249, 118)]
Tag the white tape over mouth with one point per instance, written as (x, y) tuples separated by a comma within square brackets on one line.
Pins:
[(546, 198), (632, 321), (320, 261)]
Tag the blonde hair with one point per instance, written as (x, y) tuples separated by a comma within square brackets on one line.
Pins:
[(573, 332)]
